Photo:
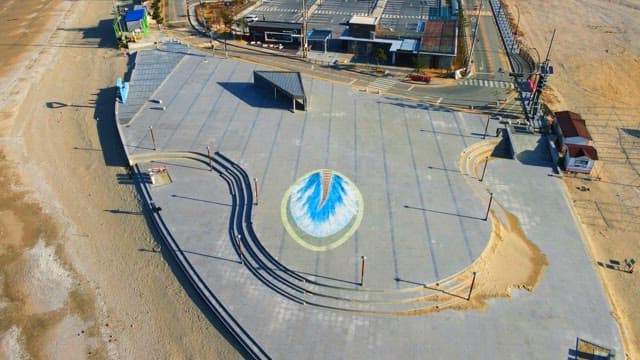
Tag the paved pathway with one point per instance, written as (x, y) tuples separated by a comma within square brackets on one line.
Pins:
[(421, 221)]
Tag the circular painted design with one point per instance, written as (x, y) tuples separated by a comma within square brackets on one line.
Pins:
[(322, 209)]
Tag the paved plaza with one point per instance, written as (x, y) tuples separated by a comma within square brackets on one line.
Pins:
[(229, 160)]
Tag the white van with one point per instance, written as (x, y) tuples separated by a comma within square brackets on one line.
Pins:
[(251, 18)]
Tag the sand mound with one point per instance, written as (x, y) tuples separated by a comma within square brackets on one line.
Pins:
[(510, 261)]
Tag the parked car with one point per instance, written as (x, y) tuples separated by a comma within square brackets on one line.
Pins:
[(251, 18)]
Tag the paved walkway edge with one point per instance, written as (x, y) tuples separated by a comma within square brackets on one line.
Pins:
[(239, 333), (243, 337)]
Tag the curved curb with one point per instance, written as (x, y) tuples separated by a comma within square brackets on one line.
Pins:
[(292, 286), (234, 327)]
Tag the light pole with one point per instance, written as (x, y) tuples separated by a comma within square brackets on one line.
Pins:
[(486, 127), (475, 32), (239, 242), (484, 169), (153, 138), (255, 185), (473, 281), (486, 216), (304, 45), (362, 261)]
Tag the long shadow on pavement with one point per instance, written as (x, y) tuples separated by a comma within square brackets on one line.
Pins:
[(254, 96)]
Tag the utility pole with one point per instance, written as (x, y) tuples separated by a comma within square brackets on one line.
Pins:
[(304, 45), (545, 71), (475, 32)]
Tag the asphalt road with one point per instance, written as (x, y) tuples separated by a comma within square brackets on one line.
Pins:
[(481, 93), (489, 55), (454, 94), (176, 12)]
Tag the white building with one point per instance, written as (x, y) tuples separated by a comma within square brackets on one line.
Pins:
[(580, 158)]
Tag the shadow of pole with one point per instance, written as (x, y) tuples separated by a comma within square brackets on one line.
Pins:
[(445, 213), (432, 288)]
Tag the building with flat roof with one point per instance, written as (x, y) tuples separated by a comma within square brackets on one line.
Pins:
[(433, 42), (438, 43), (275, 31)]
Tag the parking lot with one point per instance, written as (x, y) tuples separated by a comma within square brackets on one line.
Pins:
[(398, 15)]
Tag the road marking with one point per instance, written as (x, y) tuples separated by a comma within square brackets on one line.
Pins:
[(352, 81), (439, 100), (487, 83), (411, 87), (382, 84)]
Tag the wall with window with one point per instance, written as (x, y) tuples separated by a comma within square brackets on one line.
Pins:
[(580, 164)]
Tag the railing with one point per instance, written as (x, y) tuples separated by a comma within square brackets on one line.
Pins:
[(510, 43)]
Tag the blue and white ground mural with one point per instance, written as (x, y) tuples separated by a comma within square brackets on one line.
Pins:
[(322, 210)]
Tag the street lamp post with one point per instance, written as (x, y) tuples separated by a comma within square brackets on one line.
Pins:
[(362, 262), (473, 281), (484, 169), (486, 216), (239, 242), (475, 32), (153, 138)]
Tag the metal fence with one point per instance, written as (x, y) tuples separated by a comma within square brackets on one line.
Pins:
[(504, 26)]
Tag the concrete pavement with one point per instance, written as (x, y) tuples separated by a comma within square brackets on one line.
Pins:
[(422, 222)]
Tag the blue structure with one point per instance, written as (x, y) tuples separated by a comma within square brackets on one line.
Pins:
[(123, 90), (136, 20)]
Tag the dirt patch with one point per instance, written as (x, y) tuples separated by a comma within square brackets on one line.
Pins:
[(510, 261)]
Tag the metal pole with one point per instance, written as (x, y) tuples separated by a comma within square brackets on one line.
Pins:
[(546, 60), (486, 161), (486, 216), (239, 248), (362, 260), (537, 68), (475, 32), (209, 155), (153, 138), (305, 45), (255, 185), (486, 127), (473, 281)]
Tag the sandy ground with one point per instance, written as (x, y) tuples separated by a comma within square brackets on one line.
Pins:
[(596, 55), (80, 276)]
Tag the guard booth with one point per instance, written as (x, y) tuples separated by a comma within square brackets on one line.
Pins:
[(283, 84)]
